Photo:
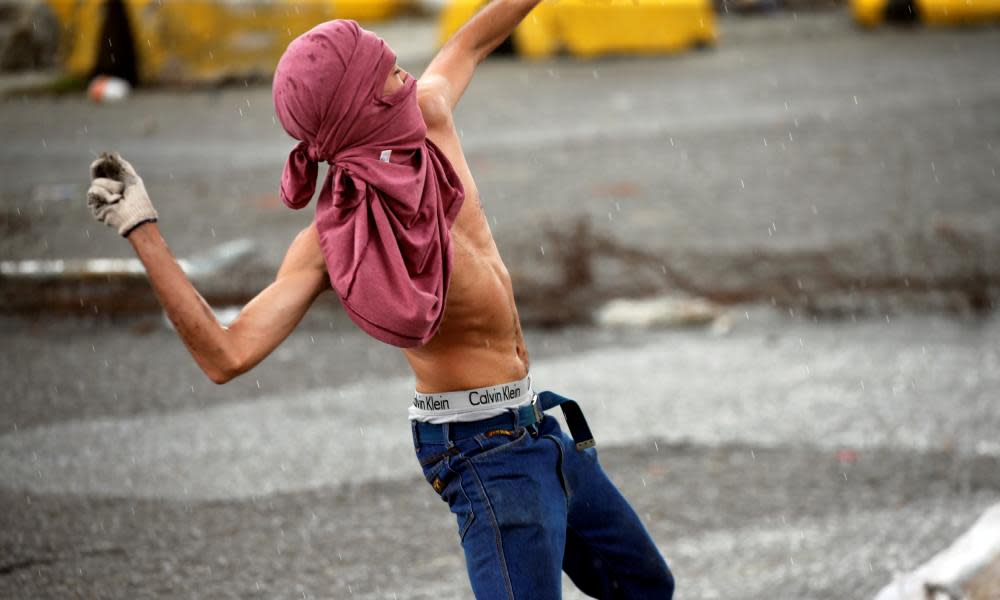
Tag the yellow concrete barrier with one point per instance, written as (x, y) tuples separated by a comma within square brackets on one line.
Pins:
[(202, 40), (868, 13), (958, 12), (643, 26), (592, 27), (871, 13)]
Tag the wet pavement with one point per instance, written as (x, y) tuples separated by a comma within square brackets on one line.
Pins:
[(834, 159), (785, 458)]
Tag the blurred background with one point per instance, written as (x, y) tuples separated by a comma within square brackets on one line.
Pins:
[(758, 240)]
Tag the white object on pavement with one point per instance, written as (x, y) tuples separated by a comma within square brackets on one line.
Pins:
[(105, 88), (944, 574), (657, 312)]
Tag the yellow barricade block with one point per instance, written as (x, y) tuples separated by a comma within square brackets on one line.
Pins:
[(870, 13), (592, 27), (538, 34), (366, 10), (454, 15), (202, 40), (637, 26), (958, 12)]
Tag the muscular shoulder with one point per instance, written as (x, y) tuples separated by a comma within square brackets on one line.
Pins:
[(432, 96)]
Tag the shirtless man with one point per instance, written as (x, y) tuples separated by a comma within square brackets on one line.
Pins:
[(529, 500)]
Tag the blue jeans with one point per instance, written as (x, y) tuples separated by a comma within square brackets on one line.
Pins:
[(529, 504)]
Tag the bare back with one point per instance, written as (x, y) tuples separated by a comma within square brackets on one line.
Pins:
[(480, 341)]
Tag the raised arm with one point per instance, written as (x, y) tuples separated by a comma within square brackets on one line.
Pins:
[(222, 352), (450, 72)]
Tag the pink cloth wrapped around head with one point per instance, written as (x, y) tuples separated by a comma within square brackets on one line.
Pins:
[(390, 197)]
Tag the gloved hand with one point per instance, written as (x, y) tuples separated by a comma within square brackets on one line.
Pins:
[(117, 196)]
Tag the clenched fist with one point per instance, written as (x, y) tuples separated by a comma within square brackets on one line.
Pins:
[(117, 197)]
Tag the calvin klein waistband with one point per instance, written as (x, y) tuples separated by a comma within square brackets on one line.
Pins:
[(470, 405)]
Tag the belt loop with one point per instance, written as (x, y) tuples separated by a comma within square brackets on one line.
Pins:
[(514, 412), (446, 434), (416, 435)]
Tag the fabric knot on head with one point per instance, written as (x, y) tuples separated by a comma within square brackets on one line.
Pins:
[(314, 154)]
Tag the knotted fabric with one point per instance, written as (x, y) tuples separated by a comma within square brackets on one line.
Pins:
[(390, 196)]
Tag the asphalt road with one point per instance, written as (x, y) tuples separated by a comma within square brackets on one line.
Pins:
[(787, 458), (791, 457), (797, 135)]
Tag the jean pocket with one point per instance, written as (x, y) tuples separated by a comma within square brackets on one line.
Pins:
[(497, 441), (447, 482)]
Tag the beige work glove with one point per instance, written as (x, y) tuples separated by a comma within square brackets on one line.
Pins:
[(117, 197)]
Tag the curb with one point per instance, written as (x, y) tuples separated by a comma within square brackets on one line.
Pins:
[(969, 568), (106, 284)]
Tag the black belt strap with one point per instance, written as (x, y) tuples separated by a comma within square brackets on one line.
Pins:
[(577, 423)]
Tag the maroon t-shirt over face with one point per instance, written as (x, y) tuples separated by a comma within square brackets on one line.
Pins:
[(386, 208)]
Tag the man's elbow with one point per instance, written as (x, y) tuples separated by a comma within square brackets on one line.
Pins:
[(220, 377), (225, 371)]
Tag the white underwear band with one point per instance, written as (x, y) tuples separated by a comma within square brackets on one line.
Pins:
[(470, 405)]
